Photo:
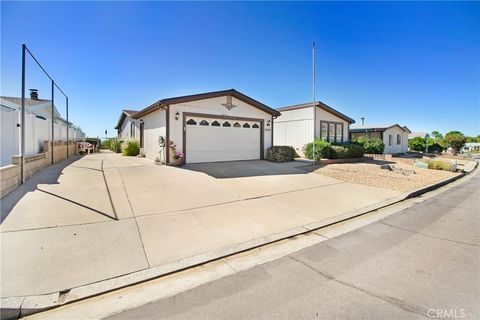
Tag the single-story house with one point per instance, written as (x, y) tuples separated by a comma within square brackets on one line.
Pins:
[(394, 136), (294, 127), (127, 127), (471, 147), (216, 126)]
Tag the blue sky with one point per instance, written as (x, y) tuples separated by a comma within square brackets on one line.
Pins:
[(413, 63)]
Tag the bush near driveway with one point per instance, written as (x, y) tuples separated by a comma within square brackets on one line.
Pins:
[(131, 148), (375, 146), (327, 150), (322, 150), (440, 165), (281, 154), (346, 151), (116, 145)]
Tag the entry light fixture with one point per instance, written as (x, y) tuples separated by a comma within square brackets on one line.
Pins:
[(177, 115), (268, 123)]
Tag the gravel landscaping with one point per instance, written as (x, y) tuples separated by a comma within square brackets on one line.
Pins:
[(370, 173)]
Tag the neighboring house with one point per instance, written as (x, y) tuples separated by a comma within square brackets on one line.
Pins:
[(294, 127), (471, 147), (216, 126), (38, 125), (424, 135), (394, 136), (127, 127)]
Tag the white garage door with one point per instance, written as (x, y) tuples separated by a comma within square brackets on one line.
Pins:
[(210, 140)]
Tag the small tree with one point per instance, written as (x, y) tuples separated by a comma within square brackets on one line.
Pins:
[(417, 144), (455, 139)]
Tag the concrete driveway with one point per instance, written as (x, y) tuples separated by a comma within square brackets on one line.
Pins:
[(104, 215)]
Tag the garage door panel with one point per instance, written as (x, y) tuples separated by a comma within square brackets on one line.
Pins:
[(213, 143)]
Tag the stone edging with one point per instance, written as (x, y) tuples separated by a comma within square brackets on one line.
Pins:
[(13, 307)]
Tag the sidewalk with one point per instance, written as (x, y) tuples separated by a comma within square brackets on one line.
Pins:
[(104, 216)]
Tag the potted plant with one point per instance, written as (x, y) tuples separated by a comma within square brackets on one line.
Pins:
[(179, 158)]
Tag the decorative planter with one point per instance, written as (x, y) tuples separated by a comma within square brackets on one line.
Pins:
[(179, 162)]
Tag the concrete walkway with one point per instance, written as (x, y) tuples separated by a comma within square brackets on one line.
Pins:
[(104, 215)]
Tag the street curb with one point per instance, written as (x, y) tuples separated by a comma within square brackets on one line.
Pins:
[(15, 307)]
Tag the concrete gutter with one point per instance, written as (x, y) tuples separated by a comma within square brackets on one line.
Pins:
[(15, 307)]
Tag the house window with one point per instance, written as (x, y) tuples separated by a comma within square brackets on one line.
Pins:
[(226, 124), (246, 125), (191, 122), (255, 126), (132, 130), (215, 124), (236, 125), (390, 139), (331, 131), (399, 139), (324, 131), (204, 123), (339, 132)]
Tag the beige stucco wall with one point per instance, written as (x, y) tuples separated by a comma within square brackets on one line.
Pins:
[(214, 106)]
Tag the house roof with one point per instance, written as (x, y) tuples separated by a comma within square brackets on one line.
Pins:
[(376, 128), (321, 105), (418, 135), (125, 113), (28, 102), (231, 92)]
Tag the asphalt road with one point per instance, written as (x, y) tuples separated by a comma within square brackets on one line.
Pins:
[(423, 262)]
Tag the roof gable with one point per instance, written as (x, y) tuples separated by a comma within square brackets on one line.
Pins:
[(320, 105), (125, 113), (231, 92)]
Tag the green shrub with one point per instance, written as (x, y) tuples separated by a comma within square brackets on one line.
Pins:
[(322, 149), (417, 144), (338, 152), (281, 154), (375, 146), (106, 144), (131, 148), (346, 151), (439, 165), (116, 146)]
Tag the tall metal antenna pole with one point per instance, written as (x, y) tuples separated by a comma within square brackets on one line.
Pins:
[(314, 107), (22, 121), (53, 118), (68, 128)]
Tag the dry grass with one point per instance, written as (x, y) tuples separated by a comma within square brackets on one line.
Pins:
[(370, 174)]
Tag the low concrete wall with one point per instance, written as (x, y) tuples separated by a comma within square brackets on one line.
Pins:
[(11, 175)]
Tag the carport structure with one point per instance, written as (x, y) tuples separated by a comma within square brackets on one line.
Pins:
[(208, 127)]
